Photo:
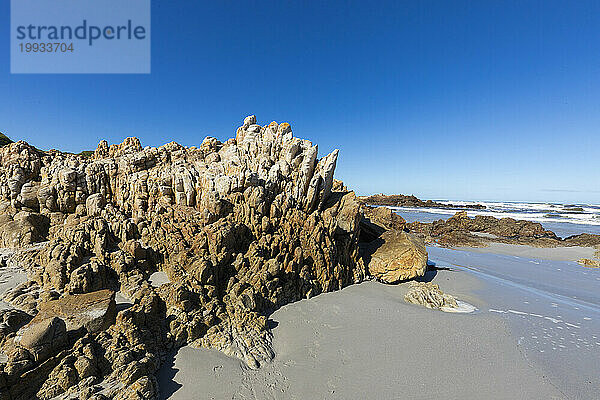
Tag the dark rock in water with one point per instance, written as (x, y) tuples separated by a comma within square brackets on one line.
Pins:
[(577, 210), (400, 200), (589, 263), (461, 230), (583, 240)]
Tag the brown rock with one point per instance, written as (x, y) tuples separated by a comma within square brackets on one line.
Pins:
[(94, 204), (429, 295), (92, 311), (44, 337), (397, 256), (400, 200), (589, 263), (240, 227)]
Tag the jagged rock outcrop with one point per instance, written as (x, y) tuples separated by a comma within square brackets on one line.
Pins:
[(240, 227)]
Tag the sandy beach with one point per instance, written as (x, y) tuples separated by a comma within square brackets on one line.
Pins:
[(534, 335), (366, 342)]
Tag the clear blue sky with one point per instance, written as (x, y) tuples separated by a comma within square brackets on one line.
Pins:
[(484, 100)]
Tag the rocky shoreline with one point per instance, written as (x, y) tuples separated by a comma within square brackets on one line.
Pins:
[(402, 200), (240, 228), (236, 230), (479, 231)]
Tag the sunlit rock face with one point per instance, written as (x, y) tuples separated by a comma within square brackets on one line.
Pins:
[(240, 228)]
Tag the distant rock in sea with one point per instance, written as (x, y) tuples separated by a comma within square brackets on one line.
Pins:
[(462, 230), (401, 200)]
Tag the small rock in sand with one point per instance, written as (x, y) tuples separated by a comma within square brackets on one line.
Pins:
[(429, 295)]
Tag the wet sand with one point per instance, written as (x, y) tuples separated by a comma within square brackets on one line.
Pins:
[(551, 307), (535, 335)]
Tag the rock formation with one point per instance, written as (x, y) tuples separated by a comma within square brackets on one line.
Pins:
[(429, 295), (461, 230), (240, 228), (377, 220), (396, 256), (401, 200), (589, 263)]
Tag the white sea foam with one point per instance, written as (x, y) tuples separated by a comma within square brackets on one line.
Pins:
[(583, 214), (523, 313), (463, 307)]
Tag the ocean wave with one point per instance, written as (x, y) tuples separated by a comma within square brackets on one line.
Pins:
[(524, 211)]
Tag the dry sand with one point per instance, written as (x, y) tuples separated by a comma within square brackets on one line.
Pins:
[(365, 342)]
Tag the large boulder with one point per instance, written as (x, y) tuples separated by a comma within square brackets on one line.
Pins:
[(397, 256)]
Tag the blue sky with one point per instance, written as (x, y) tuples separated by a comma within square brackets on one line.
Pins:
[(491, 100)]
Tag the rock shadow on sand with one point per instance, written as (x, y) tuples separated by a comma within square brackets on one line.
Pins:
[(166, 377), (431, 272)]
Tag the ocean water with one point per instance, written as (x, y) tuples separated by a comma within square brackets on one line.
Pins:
[(563, 219)]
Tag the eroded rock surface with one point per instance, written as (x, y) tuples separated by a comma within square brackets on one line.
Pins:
[(240, 228)]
